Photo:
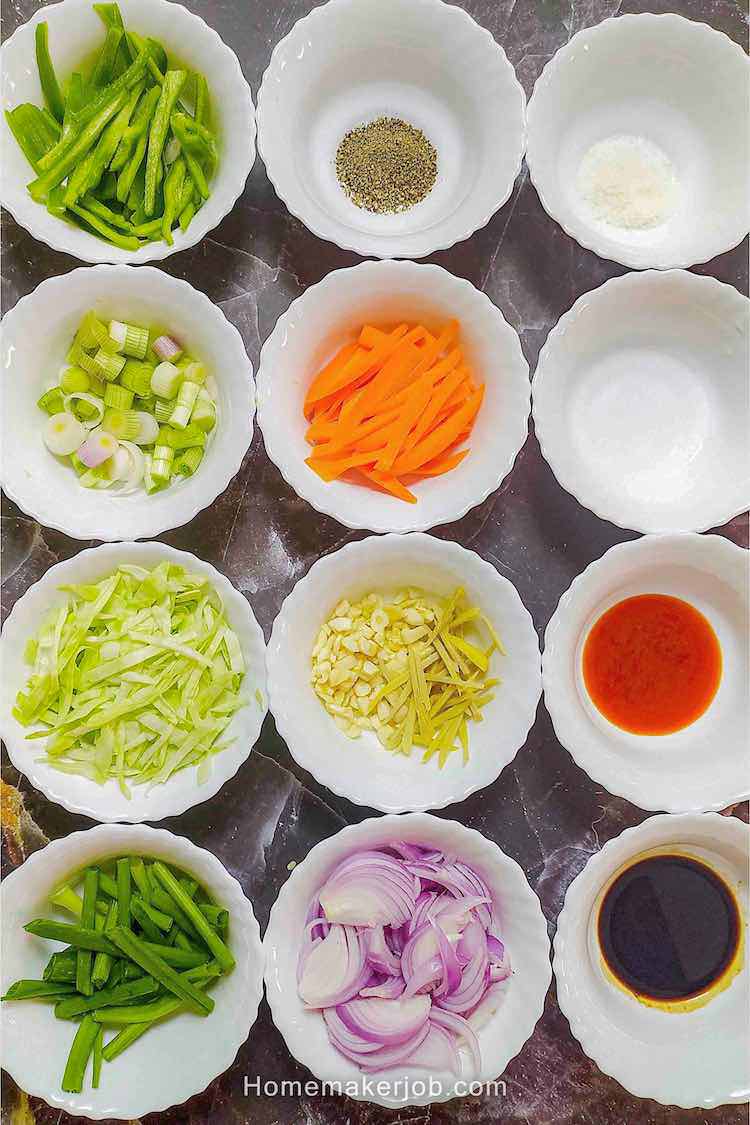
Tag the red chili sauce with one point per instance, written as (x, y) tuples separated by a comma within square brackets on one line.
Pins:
[(652, 664)]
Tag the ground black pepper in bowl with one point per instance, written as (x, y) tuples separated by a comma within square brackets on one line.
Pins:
[(386, 166)]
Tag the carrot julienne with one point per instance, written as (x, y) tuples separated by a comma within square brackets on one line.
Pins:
[(391, 408)]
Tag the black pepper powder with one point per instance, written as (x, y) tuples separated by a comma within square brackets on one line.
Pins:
[(386, 166)]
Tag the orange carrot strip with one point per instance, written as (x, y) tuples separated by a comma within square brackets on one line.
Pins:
[(393, 375), (330, 470), (419, 396), (384, 482), (328, 373), (366, 436), (440, 398), (441, 437), (362, 362), (442, 464), (370, 336)]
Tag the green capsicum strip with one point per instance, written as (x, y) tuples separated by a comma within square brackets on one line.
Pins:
[(173, 83), (47, 77)]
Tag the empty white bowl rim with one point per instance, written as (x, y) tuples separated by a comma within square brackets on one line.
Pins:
[(545, 368)]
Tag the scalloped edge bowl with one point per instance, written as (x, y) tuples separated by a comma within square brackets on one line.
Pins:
[(691, 1059), (675, 772), (174, 1061), (74, 31), (616, 53), (31, 358), (524, 931), (350, 61), (107, 803), (361, 770), (326, 315), (641, 404)]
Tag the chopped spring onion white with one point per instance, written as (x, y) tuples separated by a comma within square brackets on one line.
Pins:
[(165, 380), (148, 430), (93, 401), (167, 349), (63, 434), (97, 448)]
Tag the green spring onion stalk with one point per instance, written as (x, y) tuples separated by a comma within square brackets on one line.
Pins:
[(72, 1006), (88, 917), (61, 967), (173, 83), (123, 893), (103, 962), (78, 936), (43, 989), (142, 915), (80, 1052), (96, 1065), (154, 964), (180, 897), (50, 86)]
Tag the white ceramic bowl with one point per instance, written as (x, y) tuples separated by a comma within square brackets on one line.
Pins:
[(37, 334), (329, 315), (641, 401), (75, 31), (677, 85), (704, 766), (107, 803), (351, 61), (173, 1061), (689, 1059), (361, 769), (523, 930)]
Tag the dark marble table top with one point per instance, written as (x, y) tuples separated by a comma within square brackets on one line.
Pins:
[(543, 810)]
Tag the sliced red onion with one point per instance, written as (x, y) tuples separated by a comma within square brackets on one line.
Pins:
[(335, 969), (386, 1022), (379, 956), (437, 1052), (451, 968), (341, 1034), (460, 1027), (390, 989), (389, 1057), (424, 977), (369, 889), (400, 949)]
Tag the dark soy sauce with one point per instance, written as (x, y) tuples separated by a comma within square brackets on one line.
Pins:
[(668, 927)]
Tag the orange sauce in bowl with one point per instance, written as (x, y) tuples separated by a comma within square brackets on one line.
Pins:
[(652, 664)]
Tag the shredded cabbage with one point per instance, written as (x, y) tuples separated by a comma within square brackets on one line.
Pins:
[(134, 677)]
